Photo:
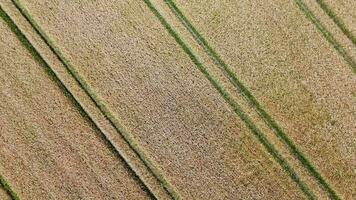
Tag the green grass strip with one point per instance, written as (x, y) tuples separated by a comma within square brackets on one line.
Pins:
[(327, 35), (338, 21), (39, 59), (251, 99), (3, 182), (100, 104), (236, 108)]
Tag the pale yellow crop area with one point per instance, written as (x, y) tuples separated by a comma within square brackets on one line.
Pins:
[(150, 99)]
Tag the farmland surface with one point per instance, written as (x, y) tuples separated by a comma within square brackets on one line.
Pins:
[(299, 79), (195, 99), (3, 194), (49, 149)]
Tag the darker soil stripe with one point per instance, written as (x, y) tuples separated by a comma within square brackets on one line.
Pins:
[(26, 43), (327, 35), (251, 99), (3, 182), (236, 108), (338, 21)]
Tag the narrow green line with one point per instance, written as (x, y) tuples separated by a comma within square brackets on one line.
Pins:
[(3, 182), (38, 58), (236, 108), (100, 104), (338, 21), (251, 99), (327, 35)]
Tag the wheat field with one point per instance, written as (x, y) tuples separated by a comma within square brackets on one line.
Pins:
[(172, 99)]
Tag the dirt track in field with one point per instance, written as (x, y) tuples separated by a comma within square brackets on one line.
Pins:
[(215, 99)]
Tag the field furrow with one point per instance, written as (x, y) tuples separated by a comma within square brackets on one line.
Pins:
[(341, 40), (173, 99), (46, 139), (233, 104), (342, 12), (6, 192), (237, 96), (162, 100), (326, 33), (284, 76)]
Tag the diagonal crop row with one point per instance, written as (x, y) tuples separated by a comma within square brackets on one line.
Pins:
[(26, 43), (251, 99), (327, 35), (100, 105), (235, 107), (3, 182), (337, 20)]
